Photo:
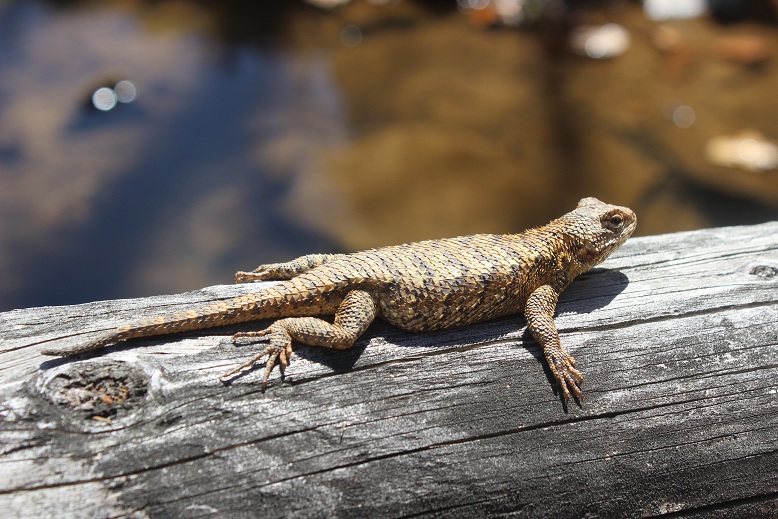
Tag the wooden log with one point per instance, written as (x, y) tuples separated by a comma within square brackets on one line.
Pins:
[(675, 335)]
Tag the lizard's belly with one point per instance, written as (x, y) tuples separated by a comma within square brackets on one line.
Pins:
[(444, 304)]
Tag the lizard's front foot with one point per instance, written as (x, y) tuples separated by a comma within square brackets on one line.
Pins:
[(279, 350), (254, 275), (562, 365)]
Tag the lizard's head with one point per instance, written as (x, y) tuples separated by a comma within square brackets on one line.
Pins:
[(598, 229)]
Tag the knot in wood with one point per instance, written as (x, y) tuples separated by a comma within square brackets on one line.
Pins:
[(98, 389), (763, 271)]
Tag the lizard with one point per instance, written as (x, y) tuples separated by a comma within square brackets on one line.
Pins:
[(418, 287)]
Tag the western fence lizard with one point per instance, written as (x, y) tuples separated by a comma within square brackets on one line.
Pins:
[(418, 287)]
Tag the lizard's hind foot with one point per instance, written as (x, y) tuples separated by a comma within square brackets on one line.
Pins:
[(278, 351)]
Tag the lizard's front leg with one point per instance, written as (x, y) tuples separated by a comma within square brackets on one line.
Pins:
[(286, 270), (352, 318), (539, 311)]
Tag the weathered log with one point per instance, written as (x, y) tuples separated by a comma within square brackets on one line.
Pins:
[(676, 336)]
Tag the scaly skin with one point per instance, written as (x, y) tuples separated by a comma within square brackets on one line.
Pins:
[(418, 287)]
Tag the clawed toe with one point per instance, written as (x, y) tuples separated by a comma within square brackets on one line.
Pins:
[(272, 355), (246, 365), (254, 275), (573, 381), (251, 335), (279, 352), (568, 378)]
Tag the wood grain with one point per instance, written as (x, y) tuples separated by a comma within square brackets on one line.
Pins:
[(676, 336)]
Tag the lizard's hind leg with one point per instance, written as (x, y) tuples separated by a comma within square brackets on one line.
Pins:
[(286, 270), (352, 318)]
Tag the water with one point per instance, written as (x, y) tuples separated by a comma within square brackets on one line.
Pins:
[(257, 137)]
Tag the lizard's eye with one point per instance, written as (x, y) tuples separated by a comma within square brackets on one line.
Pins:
[(615, 221)]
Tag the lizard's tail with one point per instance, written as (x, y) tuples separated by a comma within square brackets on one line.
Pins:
[(237, 310), (102, 341)]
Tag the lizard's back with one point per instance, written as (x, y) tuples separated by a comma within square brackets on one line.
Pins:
[(437, 283)]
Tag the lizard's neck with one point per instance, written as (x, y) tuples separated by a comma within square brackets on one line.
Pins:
[(557, 251)]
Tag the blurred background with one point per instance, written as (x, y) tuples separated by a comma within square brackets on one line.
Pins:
[(151, 147)]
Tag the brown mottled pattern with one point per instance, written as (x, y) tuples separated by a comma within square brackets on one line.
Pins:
[(418, 287)]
